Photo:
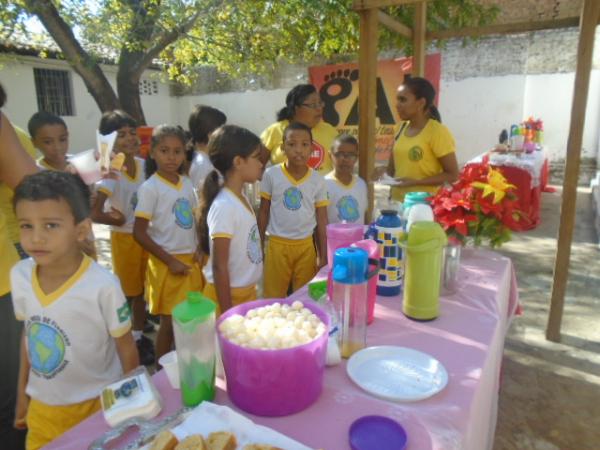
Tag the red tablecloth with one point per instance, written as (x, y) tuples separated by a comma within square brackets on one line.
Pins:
[(529, 174), (467, 338)]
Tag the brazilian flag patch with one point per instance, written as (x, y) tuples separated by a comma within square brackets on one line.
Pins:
[(123, 313)]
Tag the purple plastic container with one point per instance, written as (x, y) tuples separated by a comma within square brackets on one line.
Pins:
[(274, 382)]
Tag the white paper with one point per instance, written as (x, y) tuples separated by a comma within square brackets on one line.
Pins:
[(209, 417), (105, 145), (388, 181)]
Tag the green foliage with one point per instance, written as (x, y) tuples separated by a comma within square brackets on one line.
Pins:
[(238, 37)]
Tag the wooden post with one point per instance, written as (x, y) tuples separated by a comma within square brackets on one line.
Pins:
[(367, 94), (419, 42), (587, 28)]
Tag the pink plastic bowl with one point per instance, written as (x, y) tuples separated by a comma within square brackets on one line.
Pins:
[(274, 382)]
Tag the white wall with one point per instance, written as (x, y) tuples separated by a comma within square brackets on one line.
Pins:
[(16, 75), (254, 110), (477, 109)]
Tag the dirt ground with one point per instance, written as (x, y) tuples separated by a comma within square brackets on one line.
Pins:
[(550, 394)]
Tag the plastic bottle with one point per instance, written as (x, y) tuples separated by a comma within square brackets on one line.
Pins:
[(390, 229)]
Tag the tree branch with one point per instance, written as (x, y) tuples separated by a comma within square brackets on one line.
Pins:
[(93, 77)]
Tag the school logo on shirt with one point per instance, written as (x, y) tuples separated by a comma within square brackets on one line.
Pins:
[(317, 155), (347, 208), (182, 209), (292, 198), (253, 248), (134, 201), (415, 153), (46, 346)]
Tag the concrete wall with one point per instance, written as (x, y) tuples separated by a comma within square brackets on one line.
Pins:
[(16, 75)]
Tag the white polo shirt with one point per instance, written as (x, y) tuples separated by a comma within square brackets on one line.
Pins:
[(347, 203), (170, 209), (230, 217), (293, 202), (70, 332)]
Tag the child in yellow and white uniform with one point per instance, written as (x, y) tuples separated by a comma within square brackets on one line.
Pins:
[(347, 192), (202, 122), (115, 203), (165, 227), (228, 229), (293, 203), (77, 337)]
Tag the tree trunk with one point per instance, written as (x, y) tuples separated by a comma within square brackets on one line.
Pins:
[(128, 89)]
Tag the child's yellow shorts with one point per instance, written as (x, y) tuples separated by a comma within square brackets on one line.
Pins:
[(129, 261), (238, 295), (164, 290), (47, 422), (288, 261)]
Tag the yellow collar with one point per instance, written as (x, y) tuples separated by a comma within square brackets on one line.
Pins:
[(48, 299), (292, 179), (177, 185)]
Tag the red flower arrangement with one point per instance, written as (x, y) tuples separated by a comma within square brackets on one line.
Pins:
[(480, 206)]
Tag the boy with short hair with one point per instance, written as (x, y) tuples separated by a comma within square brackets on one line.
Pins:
[(115, 204), (347, 192), (76, 336), (50, 136)]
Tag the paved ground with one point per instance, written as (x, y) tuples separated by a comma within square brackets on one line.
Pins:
[(550, 395)]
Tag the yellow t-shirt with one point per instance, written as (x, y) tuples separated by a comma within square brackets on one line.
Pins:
[(6, 193), (323, 136), (8, 257), (418, 156)]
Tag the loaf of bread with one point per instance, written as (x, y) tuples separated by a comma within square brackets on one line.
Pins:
[(221, 440), (165, 440), (193, 442)]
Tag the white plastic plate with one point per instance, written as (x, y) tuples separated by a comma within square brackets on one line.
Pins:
[(397, 373)]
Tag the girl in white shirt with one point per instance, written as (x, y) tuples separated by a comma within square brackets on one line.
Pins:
[(228, 228), (164, 226)]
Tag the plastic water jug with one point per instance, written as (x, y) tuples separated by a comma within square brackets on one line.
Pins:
[(342, 235), (423, 249), (373, 251), (390, 230), (194, 329), (414, 198), (350, 279)]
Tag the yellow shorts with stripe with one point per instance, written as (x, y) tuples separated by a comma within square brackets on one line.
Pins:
[(47, 422), (288, 261), (129, 261), (239, 295), (164, 290)]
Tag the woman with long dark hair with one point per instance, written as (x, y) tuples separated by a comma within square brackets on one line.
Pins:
[(424, 152)]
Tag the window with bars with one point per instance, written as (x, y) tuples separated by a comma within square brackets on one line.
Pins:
[(53, 90)]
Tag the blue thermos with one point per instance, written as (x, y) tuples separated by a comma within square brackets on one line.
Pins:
[(390, 230)]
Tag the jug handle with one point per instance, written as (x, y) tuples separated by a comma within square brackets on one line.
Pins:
[(372, 273)]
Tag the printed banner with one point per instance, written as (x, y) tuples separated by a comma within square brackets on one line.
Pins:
[(338, 87)]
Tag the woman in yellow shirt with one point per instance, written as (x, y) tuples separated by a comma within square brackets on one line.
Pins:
[(302, 104), (424, 152), (15, 163)]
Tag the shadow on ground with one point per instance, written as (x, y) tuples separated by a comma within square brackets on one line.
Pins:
[(550, 394)]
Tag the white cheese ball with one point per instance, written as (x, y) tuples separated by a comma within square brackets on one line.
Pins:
[(273, 327)]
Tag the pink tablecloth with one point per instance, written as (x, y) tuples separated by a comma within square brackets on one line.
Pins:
[(468, 338)]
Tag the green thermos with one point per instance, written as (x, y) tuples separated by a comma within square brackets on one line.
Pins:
[(423, 248)]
